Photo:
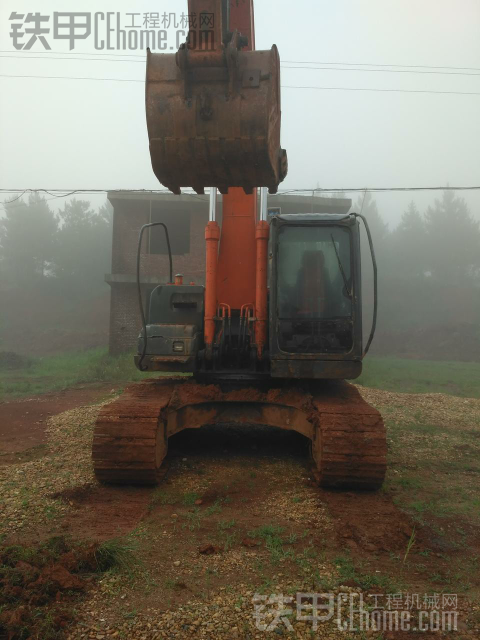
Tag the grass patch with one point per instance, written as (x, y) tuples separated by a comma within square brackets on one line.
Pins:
[(348, 572), (193, 518), (53, 373), (439, 477), (58, 372), (421, 376), (272, 536), (190, 498), (115, 553)]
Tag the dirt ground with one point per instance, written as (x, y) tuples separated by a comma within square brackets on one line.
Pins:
[(238, 518), (23, 422)]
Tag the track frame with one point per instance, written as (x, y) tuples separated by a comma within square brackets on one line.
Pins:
[(347, 435)]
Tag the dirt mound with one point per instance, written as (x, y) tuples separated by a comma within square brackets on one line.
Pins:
[(39, 585)]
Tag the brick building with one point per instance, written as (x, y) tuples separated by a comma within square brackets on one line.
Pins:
[(185, 217)]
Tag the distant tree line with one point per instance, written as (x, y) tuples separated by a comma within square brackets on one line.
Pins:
[(69, 250), (429, 272)]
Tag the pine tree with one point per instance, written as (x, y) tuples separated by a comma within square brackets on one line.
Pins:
[(84, 246), (367, 206), (453, 240), (407, 245), (28, 238)]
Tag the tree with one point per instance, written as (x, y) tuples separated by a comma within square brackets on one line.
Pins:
[(407, 245), (367, 206), (453, 240), (28, 236), (84, 246)]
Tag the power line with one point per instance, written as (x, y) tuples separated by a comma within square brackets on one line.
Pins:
[(306, 192), (442, 73), (460, 93), (17, 198), (30, 57), (80, 53), (3, 75), (399, 66), (67, 192), (284, 66), (309, 62)]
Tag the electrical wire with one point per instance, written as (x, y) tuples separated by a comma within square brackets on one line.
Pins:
[(286, 65), (309, 62), (444, 73), (63, 193), (368, 64), (458, 93), (17, 198), (461, 93)]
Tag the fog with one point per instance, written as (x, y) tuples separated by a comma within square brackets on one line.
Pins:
[(83, 134), (394, 104)]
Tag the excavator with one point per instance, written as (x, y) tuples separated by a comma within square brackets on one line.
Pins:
[(275, 332)]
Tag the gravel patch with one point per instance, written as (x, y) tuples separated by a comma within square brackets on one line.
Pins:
[(27, 490)]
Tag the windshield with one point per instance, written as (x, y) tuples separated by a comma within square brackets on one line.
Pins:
[(314, 288)]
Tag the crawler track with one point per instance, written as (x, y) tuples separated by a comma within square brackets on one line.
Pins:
[(347, 435)]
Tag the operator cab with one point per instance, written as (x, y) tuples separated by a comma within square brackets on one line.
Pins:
[(315, 319)]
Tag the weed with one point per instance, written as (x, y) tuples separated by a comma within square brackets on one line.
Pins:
[(273, 542), (130, 615), (229, 540), (190, 498), (305, 559), (266, 531), (410, 544), (160, 496), (115, 553), (194, 519), (409, 483), (347, 571), (216, 507), (170, 584)]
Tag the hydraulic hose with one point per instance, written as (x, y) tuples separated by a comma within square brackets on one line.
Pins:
[(375, 296), (139, 289)]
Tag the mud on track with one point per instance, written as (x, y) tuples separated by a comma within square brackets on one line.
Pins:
[(237, 513)]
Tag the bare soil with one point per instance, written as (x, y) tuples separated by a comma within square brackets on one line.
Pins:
[(237, 514), (23, 422)]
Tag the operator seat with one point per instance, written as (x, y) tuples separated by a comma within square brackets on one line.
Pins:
[(312, 285)]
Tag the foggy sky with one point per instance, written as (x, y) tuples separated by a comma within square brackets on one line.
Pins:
[(91, 134)]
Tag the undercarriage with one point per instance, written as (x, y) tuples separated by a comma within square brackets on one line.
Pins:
[(348, 444)]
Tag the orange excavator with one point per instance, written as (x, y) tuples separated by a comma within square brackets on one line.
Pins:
[(277, 329)]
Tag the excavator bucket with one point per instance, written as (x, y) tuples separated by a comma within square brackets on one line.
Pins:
[(213, 115)]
